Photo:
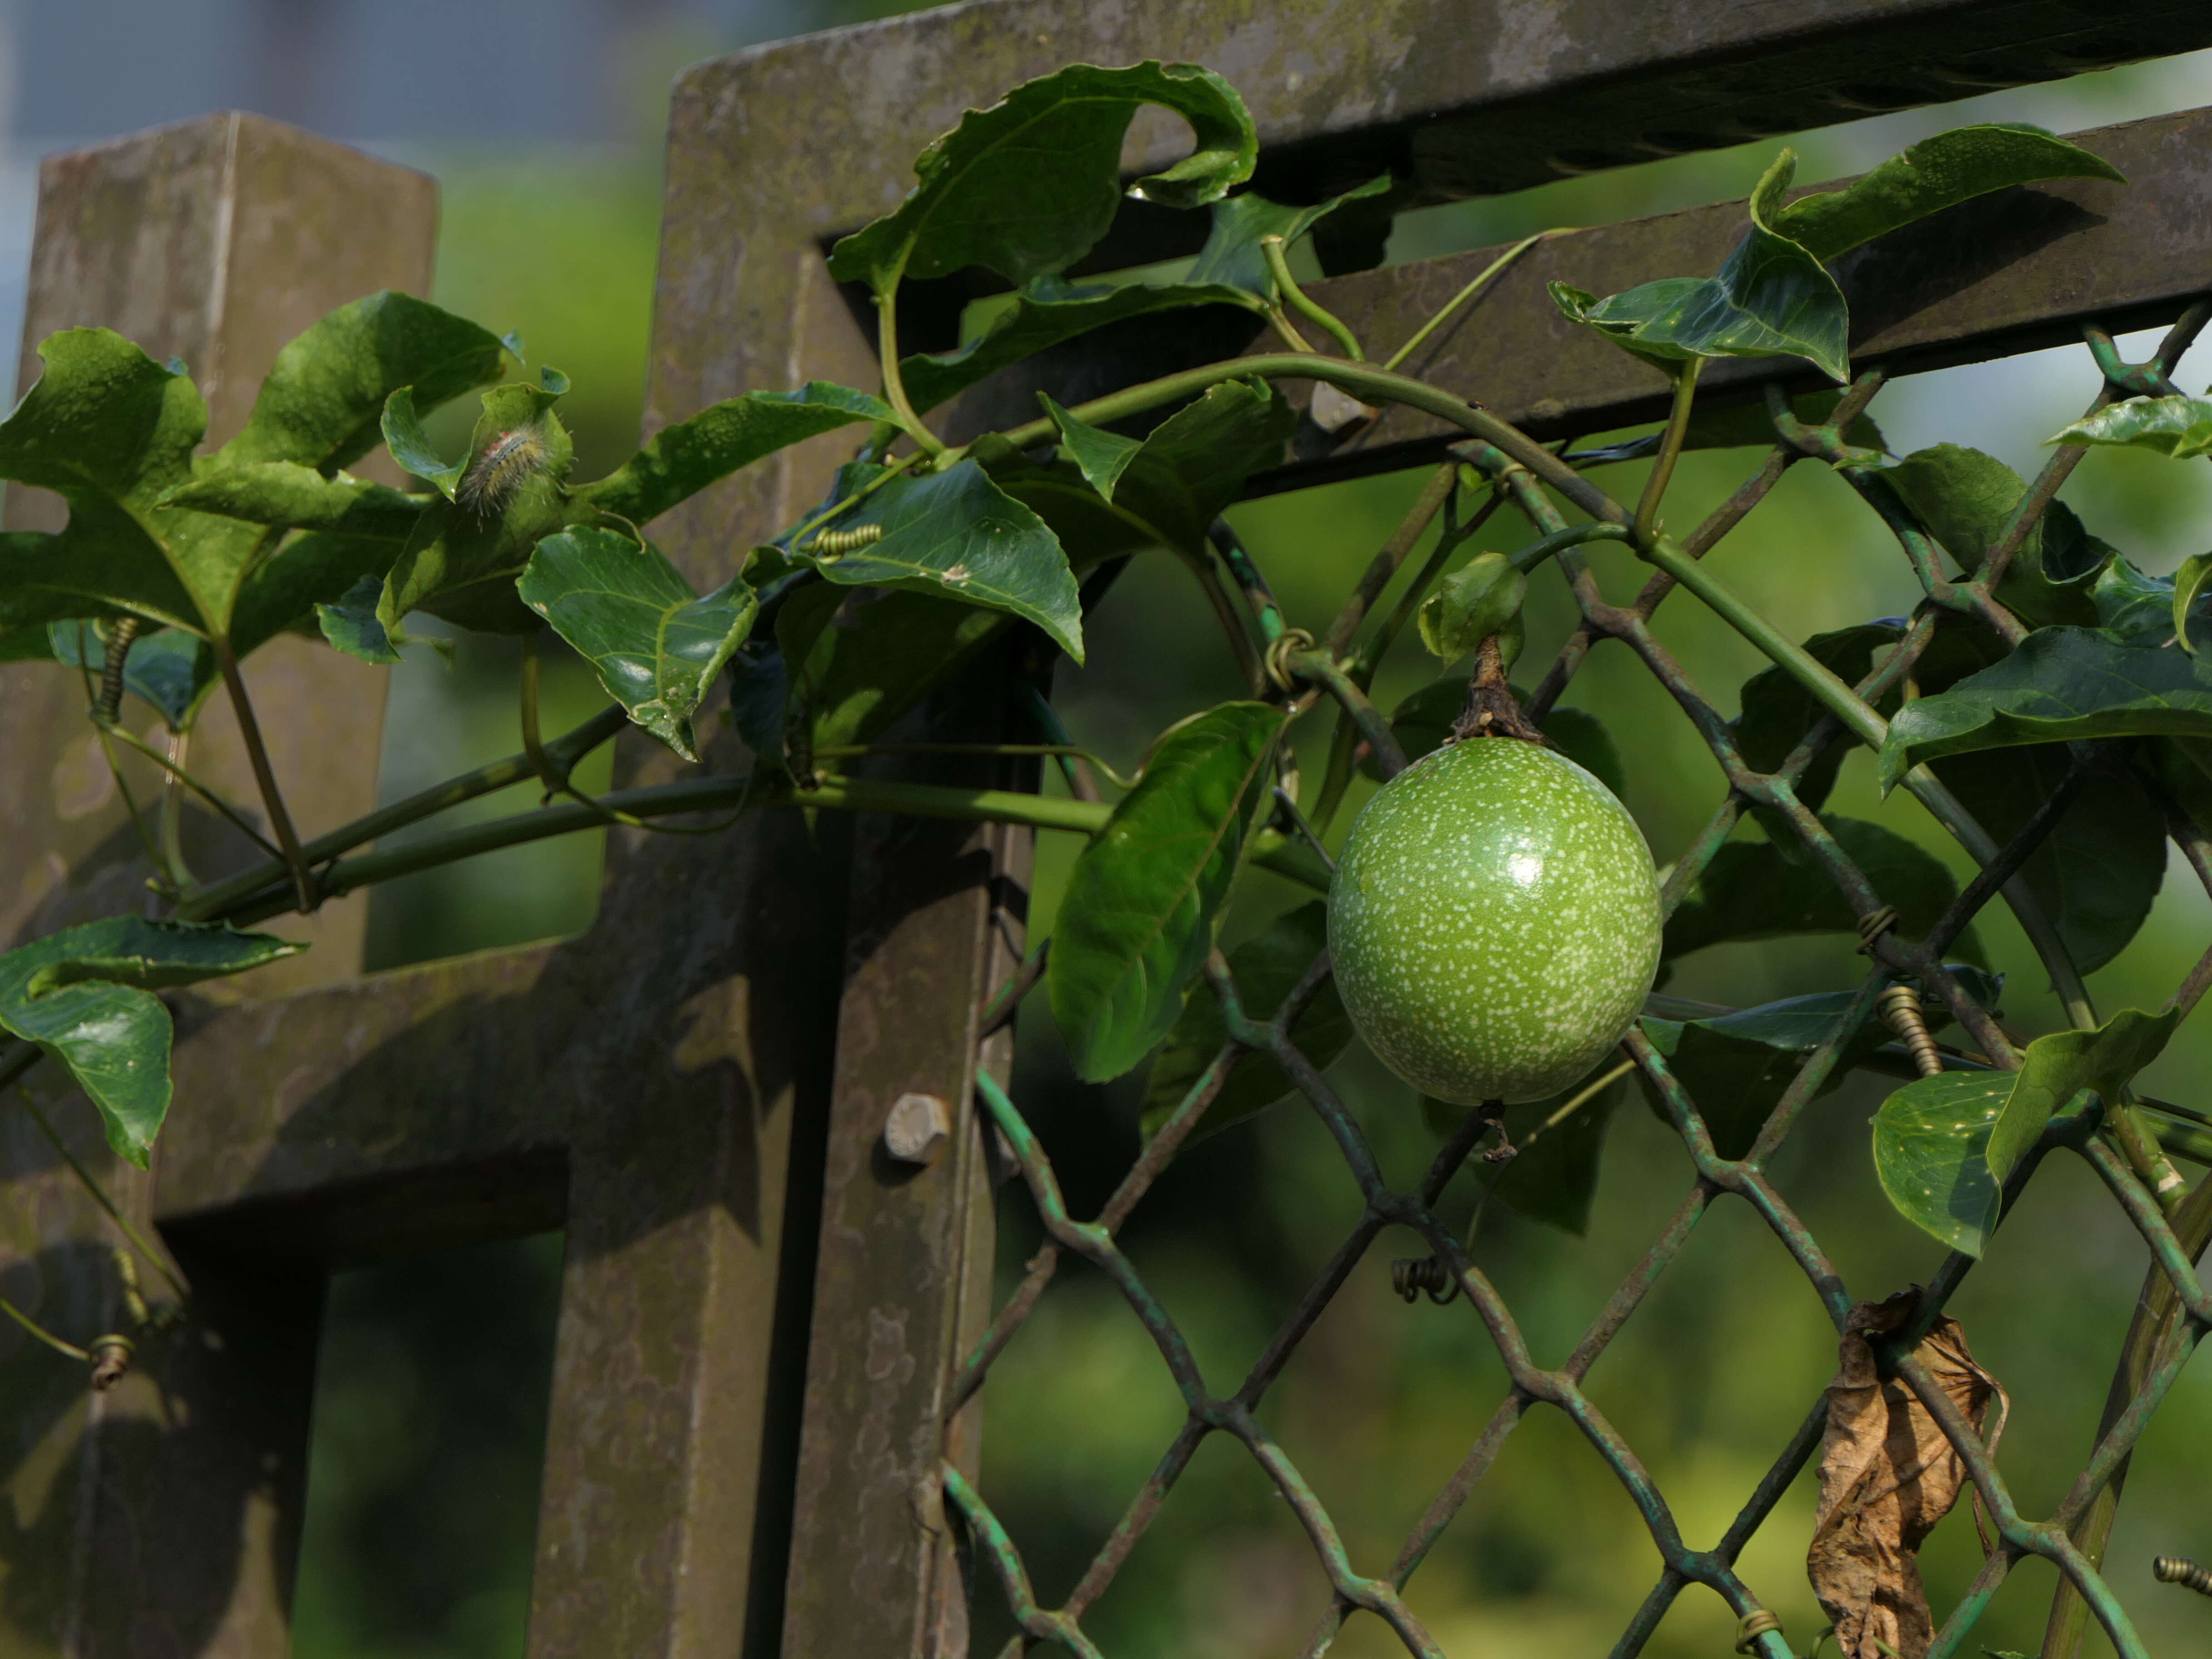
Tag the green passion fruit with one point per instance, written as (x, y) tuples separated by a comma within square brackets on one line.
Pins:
[(1494, 922)]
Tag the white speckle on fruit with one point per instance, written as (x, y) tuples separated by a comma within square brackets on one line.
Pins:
[(1494, 922)]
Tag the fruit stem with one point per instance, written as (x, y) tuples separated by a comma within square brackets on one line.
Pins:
[(1493, 710)]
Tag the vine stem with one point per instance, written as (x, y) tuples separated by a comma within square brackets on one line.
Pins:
[(99, 1195), (1670, 450), (894, 387), (175, 773), (1481, 282), (1278, 267), (1270, 848), (272, 798), (68, 1349)]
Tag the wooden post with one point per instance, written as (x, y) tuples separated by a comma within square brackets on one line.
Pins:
[(215, 241)]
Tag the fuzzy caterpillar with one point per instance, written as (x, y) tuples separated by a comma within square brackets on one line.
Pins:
[(506, 463)]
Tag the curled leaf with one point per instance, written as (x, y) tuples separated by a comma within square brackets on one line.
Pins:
[(1887, 1476), (1480, 598), (2178, 426)]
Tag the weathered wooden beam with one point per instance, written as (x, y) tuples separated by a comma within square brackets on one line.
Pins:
[(164, 1514)]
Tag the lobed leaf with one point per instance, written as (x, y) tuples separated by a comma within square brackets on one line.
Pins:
[(2062, 683), (956, 535), (655, 645), (286, 493), (1029, 185), (84, 995), (323, 402), (1930, 1146), (680, 460), (1138, 916), (2055, 1068), (2173, 425), (1933, 174), (1266, 968)]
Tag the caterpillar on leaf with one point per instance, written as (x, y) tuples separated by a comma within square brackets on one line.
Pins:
[(508, 462)]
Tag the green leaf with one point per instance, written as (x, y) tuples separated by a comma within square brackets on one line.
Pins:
[(1736, 1066), (888, 653), (1755, 889), (2191, 583), (29, 643), (1482, 598), (288, 494), (2099, 870), (284, 594), (1139, 913), (1424, 720), (1935, 173), (1029, 185), (324, 399), (1552, 1175), (655, 646), (956, 535), (410, 445), (1771, 299), (1101, 456), (84, 995), (1232, 257), (1266, 968), (1964, 498), (2062, 683), (462, 559), (1930, 1145), (168, 668), (681, 460), (350, 624), (2175, 425), (82, 573), (1777, 711), (2056, 1067), (1192, 464), (1047, 311)]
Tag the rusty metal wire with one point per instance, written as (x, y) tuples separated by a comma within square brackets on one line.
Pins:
[(1447, 1276)]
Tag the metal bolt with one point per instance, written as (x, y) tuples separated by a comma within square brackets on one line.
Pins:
[(917, 1129)]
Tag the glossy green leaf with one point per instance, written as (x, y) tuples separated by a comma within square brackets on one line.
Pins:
[(2056, 1067), (1101, 456), (2060, 683), (1756, 890), (1192, 464), (1483, 597), (1232, 256), (1935, 173), (1736, 1066), (1777, 711), (956, 535), (1047, 311), (1552, 1177), (1138, 916), (349, 623), (1771, 299), (85, 995), (2098, 872), (655, 645), (681, 460), (1029, 185), (2192, 583), (2174, 425), (288, 494), (1266, 968), (324, 400), (1930, 1145), (167, 667), (1964, 498), (1424, 720)]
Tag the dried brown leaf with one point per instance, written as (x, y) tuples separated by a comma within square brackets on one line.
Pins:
[(1887, 1475)]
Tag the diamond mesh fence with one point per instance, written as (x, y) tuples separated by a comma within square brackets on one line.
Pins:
[(2125, 1156)]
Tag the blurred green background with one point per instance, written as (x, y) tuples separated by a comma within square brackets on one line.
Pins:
[(422, 1481)]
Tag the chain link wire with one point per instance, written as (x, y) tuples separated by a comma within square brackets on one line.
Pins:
[(1449, 1275)]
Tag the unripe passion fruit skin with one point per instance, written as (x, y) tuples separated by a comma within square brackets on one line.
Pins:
[(1494, 922)]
